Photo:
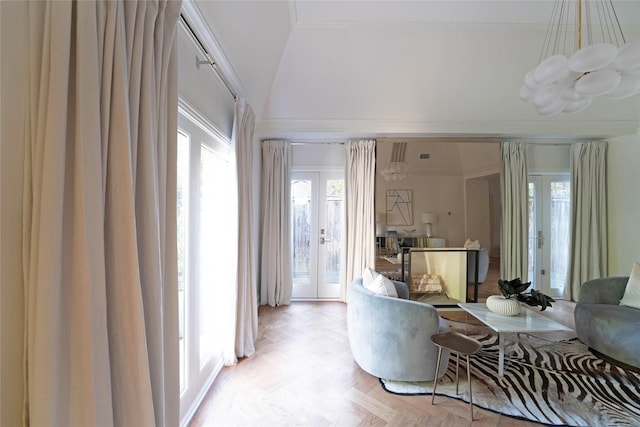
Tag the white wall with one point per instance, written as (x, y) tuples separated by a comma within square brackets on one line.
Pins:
[(479, 159), (440, 194), (14, 51), (317, 156), (548, 158), (623, 192)]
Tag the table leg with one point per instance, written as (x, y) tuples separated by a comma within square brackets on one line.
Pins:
[(500, 354)]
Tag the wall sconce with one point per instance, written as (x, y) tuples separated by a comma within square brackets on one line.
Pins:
[(429, 219)]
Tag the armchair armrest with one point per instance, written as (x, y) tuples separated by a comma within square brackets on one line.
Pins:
[(605, 290)]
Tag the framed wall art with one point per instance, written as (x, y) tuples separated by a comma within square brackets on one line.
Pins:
[(399, 207)]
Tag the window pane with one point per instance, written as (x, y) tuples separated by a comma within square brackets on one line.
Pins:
[(183, 226), (301, 230), (559, 233), (215, 256), (531, 263)]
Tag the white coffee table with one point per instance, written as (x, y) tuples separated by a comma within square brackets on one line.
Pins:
[(526, 321)]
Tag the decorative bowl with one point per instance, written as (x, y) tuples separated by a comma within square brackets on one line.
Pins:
[(501, 305)]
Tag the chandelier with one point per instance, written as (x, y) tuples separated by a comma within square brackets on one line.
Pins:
[(571, 74), (397, 169)]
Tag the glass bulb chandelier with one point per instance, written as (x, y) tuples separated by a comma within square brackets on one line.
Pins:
[(571, 74), (397, 169)]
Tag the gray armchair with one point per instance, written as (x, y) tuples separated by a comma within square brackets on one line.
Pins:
[(606, 326), (390, 337)]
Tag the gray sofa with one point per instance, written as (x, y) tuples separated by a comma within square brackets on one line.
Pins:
[(390, 337), (607, 327)]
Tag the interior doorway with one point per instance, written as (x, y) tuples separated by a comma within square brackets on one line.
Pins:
[(483, 211)]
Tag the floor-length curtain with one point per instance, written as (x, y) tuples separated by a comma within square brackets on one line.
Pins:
[(360, 207), (515, 211), (276, 281), (246, 330), (588, 251), (100, 215)]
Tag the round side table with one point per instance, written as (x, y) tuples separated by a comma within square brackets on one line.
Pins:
[(458, 344)]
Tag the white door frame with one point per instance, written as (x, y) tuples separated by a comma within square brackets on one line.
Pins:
[(317, 288), (541, 239)]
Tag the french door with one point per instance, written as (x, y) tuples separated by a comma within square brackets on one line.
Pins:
[(317, 219), (205, 259), (549, 201)]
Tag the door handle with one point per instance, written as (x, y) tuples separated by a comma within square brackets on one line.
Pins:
[(323, 240), (540, 239)]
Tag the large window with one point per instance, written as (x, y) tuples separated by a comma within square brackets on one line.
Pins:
[(207, 221)]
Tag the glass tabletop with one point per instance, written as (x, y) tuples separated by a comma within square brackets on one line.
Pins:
[(527, 320)]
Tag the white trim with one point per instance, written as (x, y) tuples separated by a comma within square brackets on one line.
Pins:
[(201, 121), (325, 168), (296, 129), (201, 27), (203, 392), (482, 171)]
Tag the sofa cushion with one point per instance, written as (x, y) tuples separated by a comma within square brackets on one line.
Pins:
[(382, 286), (472, 244), (368, 275), (631, 296)]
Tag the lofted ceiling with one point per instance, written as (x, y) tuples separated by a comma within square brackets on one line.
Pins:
[(424, 68)]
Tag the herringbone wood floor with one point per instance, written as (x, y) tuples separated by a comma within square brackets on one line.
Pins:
[(303, 374)]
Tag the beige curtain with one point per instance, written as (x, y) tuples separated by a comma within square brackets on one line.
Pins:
[(360, 207), (247, 304), (276, 281), (588, 252), (100, 206), (515, 213)]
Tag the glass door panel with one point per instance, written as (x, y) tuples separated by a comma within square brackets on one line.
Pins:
[(331, 237), (559, 191), (303, 227)]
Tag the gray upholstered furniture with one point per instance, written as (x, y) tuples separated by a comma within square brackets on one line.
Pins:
[(483, 265), (605, 326), (390, 337)]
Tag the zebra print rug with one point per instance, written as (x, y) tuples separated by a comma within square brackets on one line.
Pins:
[(552, 383)]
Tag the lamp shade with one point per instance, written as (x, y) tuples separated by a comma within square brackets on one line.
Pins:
[(429, 218)]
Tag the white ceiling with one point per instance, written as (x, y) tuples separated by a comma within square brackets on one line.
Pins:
[(340, 69)]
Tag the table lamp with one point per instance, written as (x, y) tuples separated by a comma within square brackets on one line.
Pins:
[(429, 219)]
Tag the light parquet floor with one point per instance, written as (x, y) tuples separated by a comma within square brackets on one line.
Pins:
[(303, 374)]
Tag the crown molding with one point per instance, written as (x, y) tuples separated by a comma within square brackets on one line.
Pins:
[(347, 128)]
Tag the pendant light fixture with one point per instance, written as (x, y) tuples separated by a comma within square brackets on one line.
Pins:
[(585, 55), (397, 169)]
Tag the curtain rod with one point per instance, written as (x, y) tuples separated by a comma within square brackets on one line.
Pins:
[(552, 144), (317, 143), (209, 60)]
